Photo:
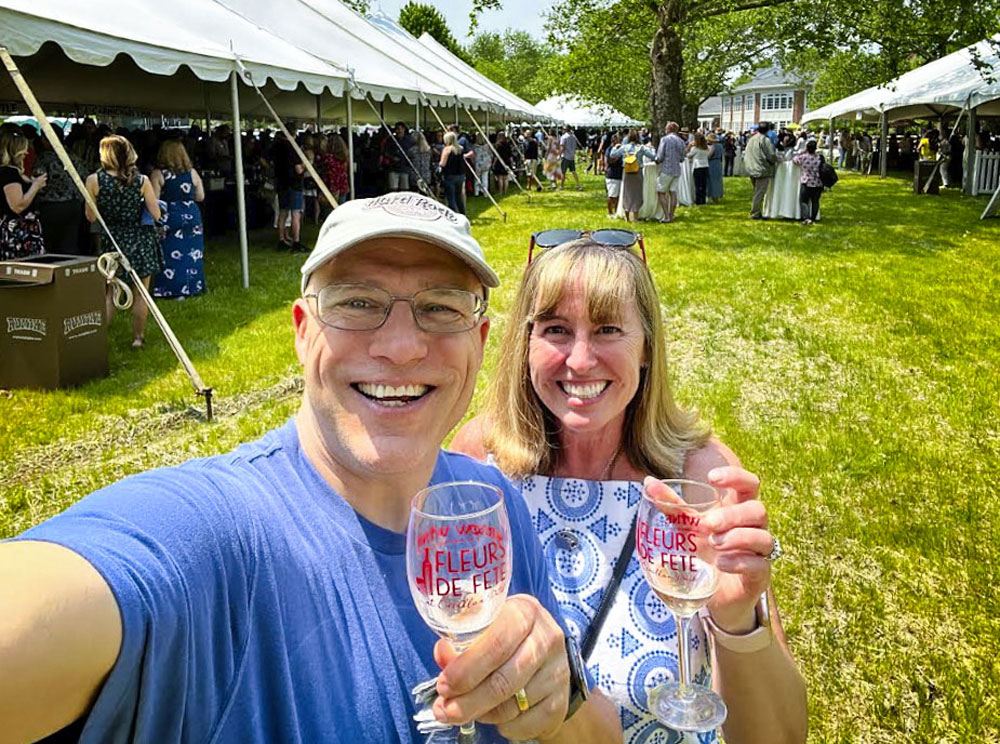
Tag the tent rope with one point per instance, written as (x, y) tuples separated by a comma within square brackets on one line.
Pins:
[(510, 173), (467, 163), (421, 184), (320, 183)]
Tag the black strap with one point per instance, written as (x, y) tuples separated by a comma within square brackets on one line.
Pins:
[(590, 639)]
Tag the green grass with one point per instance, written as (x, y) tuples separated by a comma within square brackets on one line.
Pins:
[(854, 365)]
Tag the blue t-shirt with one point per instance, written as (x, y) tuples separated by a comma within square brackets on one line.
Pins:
[(258, 606)]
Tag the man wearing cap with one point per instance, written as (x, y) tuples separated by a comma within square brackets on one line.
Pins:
[(262, 595)]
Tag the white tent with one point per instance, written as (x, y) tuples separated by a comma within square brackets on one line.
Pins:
[(579, 113), (943, 86), (514, 105)]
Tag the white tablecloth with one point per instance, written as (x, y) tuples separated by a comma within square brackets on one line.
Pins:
[(650, 209), (782, 198), (738, 163)]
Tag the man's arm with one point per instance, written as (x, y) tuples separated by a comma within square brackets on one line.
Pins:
[(60, 633)]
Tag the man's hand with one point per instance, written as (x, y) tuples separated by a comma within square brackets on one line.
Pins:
[(523, 648)]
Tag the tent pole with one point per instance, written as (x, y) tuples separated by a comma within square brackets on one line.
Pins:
[(969, 182), (208, 109), (319, 112), (416, 120), (830, 141), (456, 112), (350, 141), (241, 203), (883, 159)]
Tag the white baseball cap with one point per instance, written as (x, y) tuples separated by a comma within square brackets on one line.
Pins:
[(403, 214)]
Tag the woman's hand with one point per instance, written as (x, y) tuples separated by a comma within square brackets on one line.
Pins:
[(738, 532), (38, 182)]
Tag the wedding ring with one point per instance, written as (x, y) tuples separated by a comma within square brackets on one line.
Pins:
[(775, 553), (522, 700)]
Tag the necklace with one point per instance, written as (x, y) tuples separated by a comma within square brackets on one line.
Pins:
[(606, 473)]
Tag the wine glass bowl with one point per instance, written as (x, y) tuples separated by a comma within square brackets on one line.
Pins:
[(459, 560), (678, 561)]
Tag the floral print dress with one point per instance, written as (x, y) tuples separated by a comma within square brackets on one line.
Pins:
[(121, 207)]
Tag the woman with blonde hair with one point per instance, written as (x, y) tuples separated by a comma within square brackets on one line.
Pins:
[(421, 161), (121, 192), (178, 184), (581, 412), (20, 228), (452, 164)]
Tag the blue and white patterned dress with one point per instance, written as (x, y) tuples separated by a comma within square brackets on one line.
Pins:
[(183, 241), (582, 526)]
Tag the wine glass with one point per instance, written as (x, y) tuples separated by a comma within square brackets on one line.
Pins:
[(678, 562), (458, 560)]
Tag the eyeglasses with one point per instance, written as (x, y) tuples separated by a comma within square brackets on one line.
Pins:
[(614, 238), (361, 307)]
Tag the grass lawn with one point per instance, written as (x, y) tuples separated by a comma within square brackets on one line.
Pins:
[(854, 365)]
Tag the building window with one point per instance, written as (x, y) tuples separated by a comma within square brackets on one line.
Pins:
[(748, 100), (776, 102)]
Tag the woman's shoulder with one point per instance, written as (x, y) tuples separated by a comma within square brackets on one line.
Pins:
[(469, 438), (713, 454)]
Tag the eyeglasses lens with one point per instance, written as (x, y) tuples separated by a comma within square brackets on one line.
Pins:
[(358, 307)]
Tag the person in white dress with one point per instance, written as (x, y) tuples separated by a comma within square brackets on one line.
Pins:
[(580, 411)]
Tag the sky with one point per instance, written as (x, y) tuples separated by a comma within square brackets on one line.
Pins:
[(524, 15)]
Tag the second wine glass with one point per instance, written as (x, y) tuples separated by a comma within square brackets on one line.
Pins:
[(678, 562)]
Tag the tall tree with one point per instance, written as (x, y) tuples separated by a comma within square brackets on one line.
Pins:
[(515, 60), (418, 18)]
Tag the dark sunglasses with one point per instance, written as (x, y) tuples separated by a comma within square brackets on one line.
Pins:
[(545, 239)]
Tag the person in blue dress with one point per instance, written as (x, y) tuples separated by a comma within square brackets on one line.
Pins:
[(178, 184), (714, 168)]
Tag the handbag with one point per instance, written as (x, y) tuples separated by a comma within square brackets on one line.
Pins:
[(608, 599), (631, 163)]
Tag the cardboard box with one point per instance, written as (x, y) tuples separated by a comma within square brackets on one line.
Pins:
[(52, 327)]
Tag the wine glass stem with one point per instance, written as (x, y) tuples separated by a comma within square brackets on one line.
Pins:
[(468, 728), (683, 659)]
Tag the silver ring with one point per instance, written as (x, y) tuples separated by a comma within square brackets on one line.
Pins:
[(775, 553)]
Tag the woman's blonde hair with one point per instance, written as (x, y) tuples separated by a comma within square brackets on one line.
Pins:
[(521, 433), (451, 140), (117, 154), (13, 147), (173, 156), (421, 142)]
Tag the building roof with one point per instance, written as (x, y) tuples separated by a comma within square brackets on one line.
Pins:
[(711, 106), (767, 78)]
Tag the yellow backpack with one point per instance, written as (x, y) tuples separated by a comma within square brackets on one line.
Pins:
[(631, 163)]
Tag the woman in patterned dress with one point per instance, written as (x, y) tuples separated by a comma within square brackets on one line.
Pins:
[(580, 410), (178, 184), (121, 192)]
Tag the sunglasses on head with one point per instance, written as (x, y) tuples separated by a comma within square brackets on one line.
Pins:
[(545, 239)]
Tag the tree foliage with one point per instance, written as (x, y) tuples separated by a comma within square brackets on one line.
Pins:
[(659, 59), (418, 18), (517, 61)]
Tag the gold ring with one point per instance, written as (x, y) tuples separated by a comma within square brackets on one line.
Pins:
[(522, 700)]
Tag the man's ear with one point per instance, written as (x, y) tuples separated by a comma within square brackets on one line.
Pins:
[(484, 331), (300, 322)]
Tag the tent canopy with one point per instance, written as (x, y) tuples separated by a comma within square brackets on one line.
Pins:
[(933, 90), (579, 113), (516, 107)]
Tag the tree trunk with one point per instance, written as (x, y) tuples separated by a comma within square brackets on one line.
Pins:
[(666, 94)]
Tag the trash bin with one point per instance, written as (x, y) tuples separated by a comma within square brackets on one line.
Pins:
[(52, 328), (922, 170)]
